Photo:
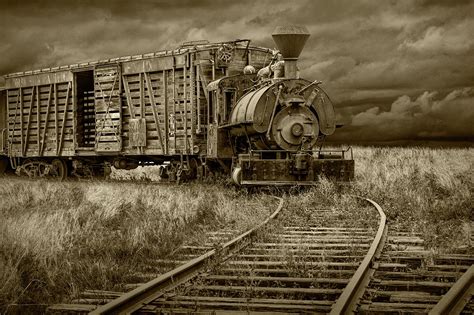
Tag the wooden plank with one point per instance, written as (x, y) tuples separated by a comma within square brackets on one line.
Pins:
[(16, 112), (186, 149), (111, 116), (103, 105), (106, 80), (107, 129), (198, 93), (193, 94), (135, 93), (152, 100), (138, 132), (174, 103), (39, 79), (208, 307), (395, 308), (108, 86), (142, 97), (112, 146), (56, 127), (108, 138), (25, 147), (63, 125), (42, 119), (228, 279), (148, 65), (37, 115), (202, 78), (246, 300), (103, 94), (127, 94), (21, 117), (313, 291), (74, 106), (165, 100), (34, 137), (72, 308)]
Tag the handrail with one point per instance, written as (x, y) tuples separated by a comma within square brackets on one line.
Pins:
[(348, 149), (458, 296), (348, 301), (144, 294)]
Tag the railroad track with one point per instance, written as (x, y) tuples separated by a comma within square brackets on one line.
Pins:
[(411, 279), (318, 261)]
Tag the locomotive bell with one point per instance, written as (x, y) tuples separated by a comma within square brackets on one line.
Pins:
[(290, 40)]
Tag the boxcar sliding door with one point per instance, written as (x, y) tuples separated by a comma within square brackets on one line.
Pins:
[(108, 109)]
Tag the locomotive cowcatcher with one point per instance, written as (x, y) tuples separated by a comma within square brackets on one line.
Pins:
[(199, 109)]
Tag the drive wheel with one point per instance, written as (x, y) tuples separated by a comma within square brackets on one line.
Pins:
[(192, 172), (59, 169)]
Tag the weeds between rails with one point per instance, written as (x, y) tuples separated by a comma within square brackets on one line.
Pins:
[(334, 234), (45, 225), (273, 274)]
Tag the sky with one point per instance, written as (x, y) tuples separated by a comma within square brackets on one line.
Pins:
[(395, 70)]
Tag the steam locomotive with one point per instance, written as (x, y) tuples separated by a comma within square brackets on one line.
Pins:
[(199, 109)]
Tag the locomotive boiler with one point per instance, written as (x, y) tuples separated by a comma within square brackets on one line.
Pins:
[(199, 109)]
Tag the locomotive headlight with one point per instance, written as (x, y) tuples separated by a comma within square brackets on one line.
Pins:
[(297, 129)]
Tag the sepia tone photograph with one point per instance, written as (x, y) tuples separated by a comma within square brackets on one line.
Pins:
[(236, 157)]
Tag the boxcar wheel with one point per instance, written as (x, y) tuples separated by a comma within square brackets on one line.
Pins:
[(59, 169)]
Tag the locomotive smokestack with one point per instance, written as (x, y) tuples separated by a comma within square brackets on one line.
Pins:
[(290, 40)]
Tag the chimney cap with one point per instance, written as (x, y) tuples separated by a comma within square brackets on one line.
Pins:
[(290, 29), (290, 40)]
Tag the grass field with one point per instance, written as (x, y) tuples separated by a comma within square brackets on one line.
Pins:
[(57, 239)]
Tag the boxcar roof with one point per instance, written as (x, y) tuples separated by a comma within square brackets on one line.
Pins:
[(184, 48)]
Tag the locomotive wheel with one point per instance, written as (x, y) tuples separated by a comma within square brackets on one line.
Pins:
[(180, 175), (34, 169), (171, 170), (59, 169), (192, 172), (163, 173), (237, 175), (200, 172)]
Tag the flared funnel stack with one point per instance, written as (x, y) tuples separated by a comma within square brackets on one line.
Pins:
[(290, 41)]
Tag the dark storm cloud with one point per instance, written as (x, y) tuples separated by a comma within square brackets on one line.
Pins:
[(367, 53), (426, 116)]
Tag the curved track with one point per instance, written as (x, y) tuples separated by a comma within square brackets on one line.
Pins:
[(410, 279), (317, 262)]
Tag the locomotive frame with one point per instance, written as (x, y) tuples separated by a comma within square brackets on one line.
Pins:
[(173, 105)]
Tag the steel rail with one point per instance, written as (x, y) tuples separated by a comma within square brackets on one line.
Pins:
[(458, 296), (349, 299), (146, 293)]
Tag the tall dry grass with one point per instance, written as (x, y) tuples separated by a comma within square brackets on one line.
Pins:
[(57, 239), (422, 189)]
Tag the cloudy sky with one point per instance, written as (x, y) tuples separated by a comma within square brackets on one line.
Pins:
[(394, 69)]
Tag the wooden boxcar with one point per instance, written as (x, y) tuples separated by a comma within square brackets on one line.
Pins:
[(150, 105)]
